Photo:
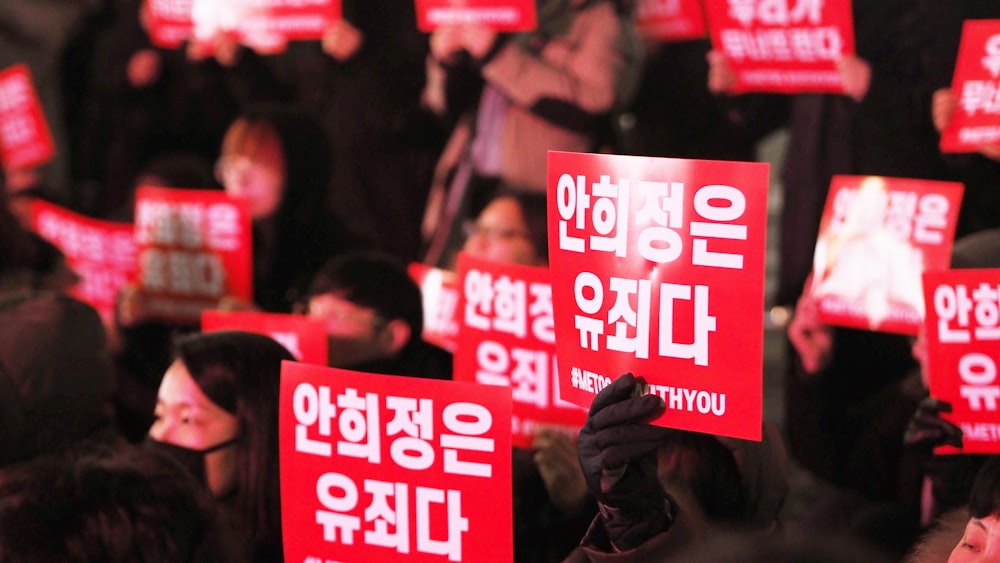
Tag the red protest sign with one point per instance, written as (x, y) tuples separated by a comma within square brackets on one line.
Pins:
[(507, 338), (375, 467), (304, 337), (270, 25), (501, 15), (976, 121), (25, 140), (876, 237), (102, 253), (785, 46), (657, 268), (195, 246), (963, 353), (170, 22), (440, 300), (670, 20)]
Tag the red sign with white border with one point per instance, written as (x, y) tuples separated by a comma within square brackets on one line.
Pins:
[(657, 268), (784, 46), (195, 247), (670, 20), (305, 338), (25, 139), (508, 339), (500, 15), (876, 237), (377, 467), (976, 83), (963, 353), (440, 300)]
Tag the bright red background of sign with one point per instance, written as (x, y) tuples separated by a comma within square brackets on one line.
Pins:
[(773, 74), (944, 358), (25, 140), (736, 295), (527, 415), (523, 12), (308, 336), (440, 299), (907, 320), (486, 501), (971, 67), (670, 20), (169, 28)]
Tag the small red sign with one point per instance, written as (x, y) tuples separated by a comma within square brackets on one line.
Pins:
[(170, 22), (25, 139), (501, 15), (976, 121), (670, 20), (963, 353), (440, 299), (376, 467), (305, 338)]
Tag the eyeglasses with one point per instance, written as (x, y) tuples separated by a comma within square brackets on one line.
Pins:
[(340, 316), (471, 229)]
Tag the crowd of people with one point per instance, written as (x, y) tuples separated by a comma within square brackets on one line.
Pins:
[(380, 145)]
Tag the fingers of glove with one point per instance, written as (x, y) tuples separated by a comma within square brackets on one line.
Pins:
[(931, 406), (620, 389), (620, 455), (628, 434), (627, 411)]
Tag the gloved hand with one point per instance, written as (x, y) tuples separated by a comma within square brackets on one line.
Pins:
[(617, 449), (927, 429)]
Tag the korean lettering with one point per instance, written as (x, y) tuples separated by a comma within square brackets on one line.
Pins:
[(478, 299), (720, 226), (664, 206), (334, 518), (466, 436), (359, 426), (987, 311), (510, 306), (413, 420), (312, 406), (530, 377), (457, 524), (610, 216), (776, 12), (540, 311), (625, 318), (572, 201), (931, 219), (703, 323), (980, 95), (900, 214), (382, 515), (493, 362), (979, 374)]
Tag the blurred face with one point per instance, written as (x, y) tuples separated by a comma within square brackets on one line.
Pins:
[(252, 167), (355, 334), (980, 543), (501, 235), (185, 417)]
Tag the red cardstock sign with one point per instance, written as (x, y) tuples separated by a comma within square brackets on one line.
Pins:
[(378, 467), (25, 140), (508, 339), (102, 253), (170, 22), (670, 20), (963, 353), (195, 247), (657, 268), (305, 338), (976, 121), (501, 15), (876, 238), (440, 299), (785, 46)]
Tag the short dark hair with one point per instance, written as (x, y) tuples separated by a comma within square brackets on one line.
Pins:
[(984, 499)]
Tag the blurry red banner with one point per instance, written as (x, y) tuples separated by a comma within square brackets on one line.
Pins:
[(508, 339), (305, 338), (501, 15), (657, 268), (377, 467), (102, 253), (976, 121), (195, 246), (876, 238), (25, 140), (670, 20), (963, 349), (170, 22), (785, 46), (440, 299)]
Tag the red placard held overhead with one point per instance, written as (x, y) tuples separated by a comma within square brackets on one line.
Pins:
[(785, 46), (25, 139), (657, 268), (876, 238), (378, 467), (963, 353), (976, 121), (170, 22), (440, 300), (102, 253), (304, 337), (500, 15), (195, 247), (670, 20), (508, 338)]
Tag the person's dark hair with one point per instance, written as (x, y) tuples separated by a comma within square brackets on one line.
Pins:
[(99, 505), (241, 373), (534, 210), (186, 170), (375, 280), (709, 471), (984, 499)]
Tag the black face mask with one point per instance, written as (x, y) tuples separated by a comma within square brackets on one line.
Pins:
[(192, 460)]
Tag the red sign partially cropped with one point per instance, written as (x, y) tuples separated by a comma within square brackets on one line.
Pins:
[(304, 337), (657, 268), (963, 349), (440, 299), (508, 339), (785, 46), (501, 15), (670, 20), (195, 247), (378, 467), (25, 140), (876, 238), (102, 253), (170, 22), (976, 121)]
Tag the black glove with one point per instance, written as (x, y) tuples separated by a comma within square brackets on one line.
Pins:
[(618, 456), (927, 429)]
